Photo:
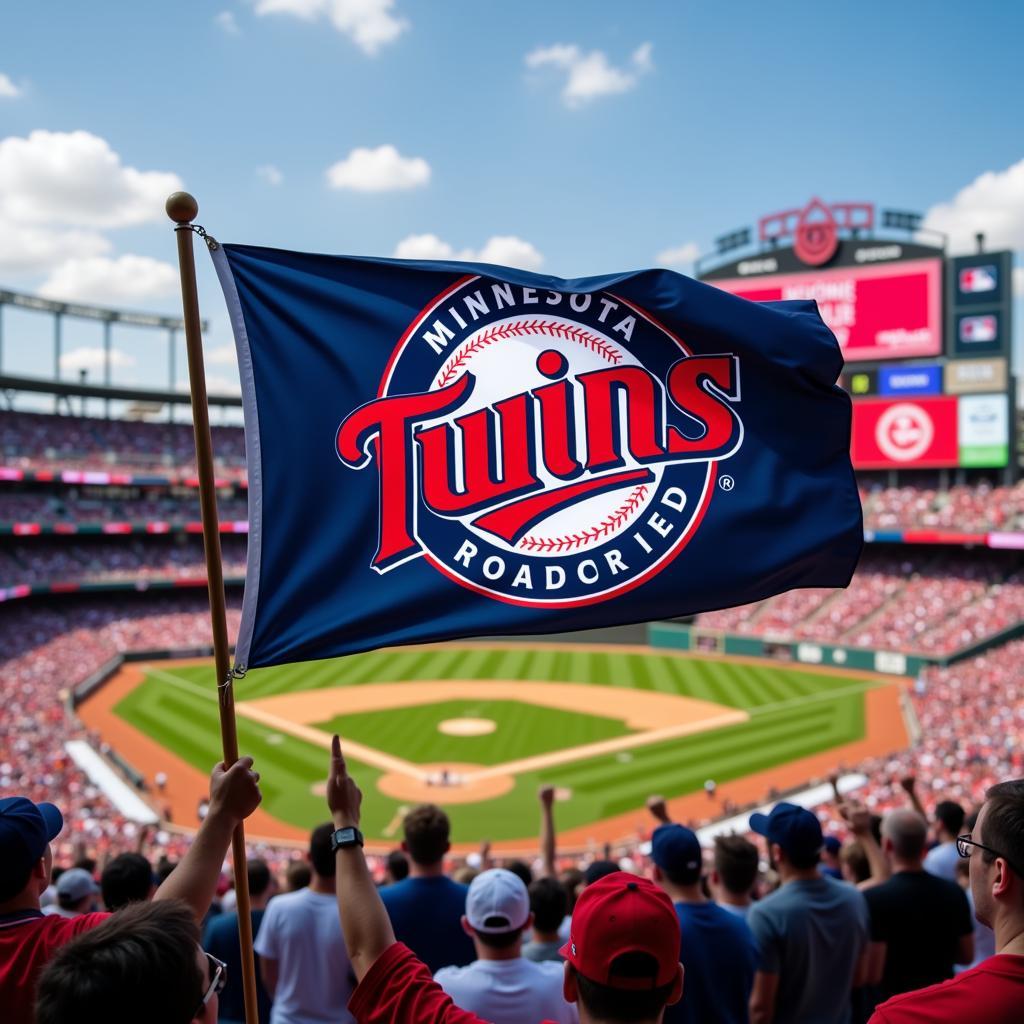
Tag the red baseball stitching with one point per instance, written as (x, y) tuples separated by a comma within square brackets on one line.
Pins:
[(547, 545), (517, 328)]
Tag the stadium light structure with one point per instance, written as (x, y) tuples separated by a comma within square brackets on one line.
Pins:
[(58, 310)]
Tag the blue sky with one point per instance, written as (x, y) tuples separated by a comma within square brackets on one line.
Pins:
[(631, 132)]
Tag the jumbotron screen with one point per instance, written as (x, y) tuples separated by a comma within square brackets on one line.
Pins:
[(886, 311)]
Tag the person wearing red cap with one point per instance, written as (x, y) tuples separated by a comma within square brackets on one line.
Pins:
[(622, 957), (28, 938)]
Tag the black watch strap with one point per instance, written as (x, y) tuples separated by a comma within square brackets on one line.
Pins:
[(343, 838)]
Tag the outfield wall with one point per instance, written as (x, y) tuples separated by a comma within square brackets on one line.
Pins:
[(682, 637)]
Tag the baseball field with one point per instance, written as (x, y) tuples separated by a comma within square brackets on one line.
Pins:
[(478, 727)]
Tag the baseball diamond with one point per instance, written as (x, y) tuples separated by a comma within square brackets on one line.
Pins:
[(606, 724)]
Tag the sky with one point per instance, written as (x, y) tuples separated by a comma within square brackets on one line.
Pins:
[(570, 137)]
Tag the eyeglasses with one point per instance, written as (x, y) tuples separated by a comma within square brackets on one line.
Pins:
[(218, 979), (965, 842)]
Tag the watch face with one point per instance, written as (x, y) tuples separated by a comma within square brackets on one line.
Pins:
[(346, 837)]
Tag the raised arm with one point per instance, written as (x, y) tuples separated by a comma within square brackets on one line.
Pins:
[(858, 817), (909, 786), (364, 920), (656, 805), (546, 796), (234, 795)]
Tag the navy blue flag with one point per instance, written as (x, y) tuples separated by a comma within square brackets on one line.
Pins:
[(441, 450)]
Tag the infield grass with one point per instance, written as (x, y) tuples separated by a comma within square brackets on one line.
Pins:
[(794, 713)]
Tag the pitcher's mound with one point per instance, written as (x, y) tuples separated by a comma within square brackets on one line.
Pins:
[(445, 784), (466, 726)]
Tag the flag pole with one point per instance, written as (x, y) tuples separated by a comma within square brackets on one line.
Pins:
[(183, 209)]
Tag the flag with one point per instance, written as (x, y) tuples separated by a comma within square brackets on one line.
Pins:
[(439, 450)]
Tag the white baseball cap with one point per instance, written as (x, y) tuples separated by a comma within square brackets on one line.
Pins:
[(497, 902)]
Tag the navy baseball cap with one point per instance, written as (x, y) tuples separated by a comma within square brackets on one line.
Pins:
[(26, 829), (676, 848), (794, 828)]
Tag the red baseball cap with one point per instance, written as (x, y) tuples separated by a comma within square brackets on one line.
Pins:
[(619, 914)]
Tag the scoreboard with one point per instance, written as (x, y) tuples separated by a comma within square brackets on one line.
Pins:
[(925, 337)]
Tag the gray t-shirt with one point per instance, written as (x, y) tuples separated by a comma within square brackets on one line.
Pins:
[(538, 951), (811, 934)]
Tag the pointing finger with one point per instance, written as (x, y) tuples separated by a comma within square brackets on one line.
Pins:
[(337, 757)]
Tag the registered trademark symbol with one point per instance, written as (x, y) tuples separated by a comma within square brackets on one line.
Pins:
[(726, 483)]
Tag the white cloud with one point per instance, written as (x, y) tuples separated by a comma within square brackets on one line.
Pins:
[(8, 90), (992, 203), (222, 355), (227, 22), (590, 75), (383, 169), (98, 279), (681, 254), (92, 359), (270, 174), (370, 24), (505, 250), (28, 249), (75, 178)]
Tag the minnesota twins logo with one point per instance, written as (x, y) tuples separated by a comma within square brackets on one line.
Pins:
[(543, 448)]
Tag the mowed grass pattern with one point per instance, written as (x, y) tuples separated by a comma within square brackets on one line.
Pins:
[(794, 713), (521, 731)]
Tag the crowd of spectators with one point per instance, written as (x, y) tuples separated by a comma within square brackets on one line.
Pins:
[(110, 559), (106, 505), (969, 508), (39, 441), (914, 601), (914, 915)]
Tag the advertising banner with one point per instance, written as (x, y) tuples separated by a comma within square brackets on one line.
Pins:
[(893, 434), (888, 311), (910, 380), (973, 376), (931, 432)]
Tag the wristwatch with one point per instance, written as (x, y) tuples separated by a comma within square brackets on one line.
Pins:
[(343, 838)]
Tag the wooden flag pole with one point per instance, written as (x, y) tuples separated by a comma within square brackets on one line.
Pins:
[(183, 209)]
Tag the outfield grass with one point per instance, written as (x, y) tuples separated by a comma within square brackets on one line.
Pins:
[(522, 730), (793, 714)]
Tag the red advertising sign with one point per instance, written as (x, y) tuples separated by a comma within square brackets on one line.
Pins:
[(885, 311), (905, 433)]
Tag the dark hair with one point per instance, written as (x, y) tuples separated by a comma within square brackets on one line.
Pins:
[(258, 874), (803, 859), (571, 879), (86, 864), (950, 815), (598, 869), (140, 963), (499, 940), (521, 870), (426, 829), (321, 856), (164, 868), (397, 865), (128, 878), (297, 875), (1004, 822), (549, 902), (854, 855), (12, 885), (625, 1005), (736, 862)]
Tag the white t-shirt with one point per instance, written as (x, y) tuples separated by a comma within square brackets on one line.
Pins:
[(301, 931), (509, 991)]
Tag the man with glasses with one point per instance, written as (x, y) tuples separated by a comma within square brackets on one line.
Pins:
[(143, 964), (993, 991)]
